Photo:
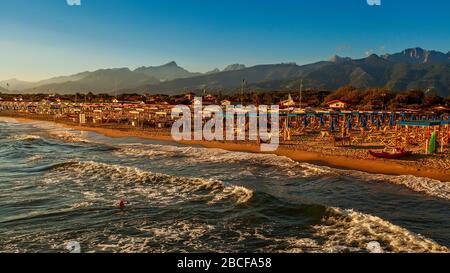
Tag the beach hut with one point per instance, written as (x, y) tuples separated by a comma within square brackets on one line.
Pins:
[(378, 124), (331, 128), (337, 105), (392, 120), (425, 133), (321, 123), (349, 123)]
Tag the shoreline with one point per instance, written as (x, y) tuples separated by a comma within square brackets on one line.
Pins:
[(379, 166)]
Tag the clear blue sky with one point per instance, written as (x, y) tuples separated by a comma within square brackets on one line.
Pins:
[(44, 38)]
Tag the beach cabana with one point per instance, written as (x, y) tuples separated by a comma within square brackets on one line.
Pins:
[(331, 129), (349, 123), (422, 132), (392, 120)]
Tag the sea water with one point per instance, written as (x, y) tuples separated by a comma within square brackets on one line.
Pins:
[(59, 186)]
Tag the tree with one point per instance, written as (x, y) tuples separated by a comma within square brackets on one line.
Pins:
[(431, 100), (376, 98), (410, 99), (255, 98), (348, 94)]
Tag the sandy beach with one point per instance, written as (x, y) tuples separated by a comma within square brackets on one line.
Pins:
[(305, 150)]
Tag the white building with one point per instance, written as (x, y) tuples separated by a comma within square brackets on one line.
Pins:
[(337, 104)]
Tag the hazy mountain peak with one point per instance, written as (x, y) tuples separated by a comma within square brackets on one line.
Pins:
[(418, 55), (166, 72), (414, 51), (235, 67), (374, 56), (338, 59), (172, 63), (15, 84), (215, 70)]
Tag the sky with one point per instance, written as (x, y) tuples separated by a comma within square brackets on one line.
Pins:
[(45, 38)]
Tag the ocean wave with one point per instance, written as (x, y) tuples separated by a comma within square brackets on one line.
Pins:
[(345, 231), (348, 230), (157, 188), (136, 152), (422, 185), (35, 158), (68, 137), (284, 165), (25, 137), (148, 236), (165, 233)]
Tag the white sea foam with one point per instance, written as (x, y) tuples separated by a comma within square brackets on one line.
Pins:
[(344, 228), (135, 184), (173, 231), (423, 185), (25, 137), (35, 158), (67, 136), (284, 166), (58, 131), (350, 231), (194, 155)]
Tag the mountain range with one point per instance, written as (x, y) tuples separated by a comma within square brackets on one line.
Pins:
[(414, 68)]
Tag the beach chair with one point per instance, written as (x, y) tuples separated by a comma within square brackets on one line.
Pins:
[(324, 135), (340, 139), (359, 138)]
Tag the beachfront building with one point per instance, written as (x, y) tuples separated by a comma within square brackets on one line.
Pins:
[(337, 105), (225, 103), (441, 109), (287, 103)]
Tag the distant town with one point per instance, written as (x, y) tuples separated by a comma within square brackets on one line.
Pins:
[(345, 98)]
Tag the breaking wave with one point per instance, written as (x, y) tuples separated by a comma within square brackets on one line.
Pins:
[(25, 137), (344, 228), (134, 183), (194, 155), (68, 137), (286, 165), (423, 185)]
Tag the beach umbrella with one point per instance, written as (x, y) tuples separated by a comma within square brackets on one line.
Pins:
[(363, 124), (392, 121), (331, 126), (349, 123), (361, 120)]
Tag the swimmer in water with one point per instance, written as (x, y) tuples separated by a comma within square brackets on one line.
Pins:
[(121, 203)]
